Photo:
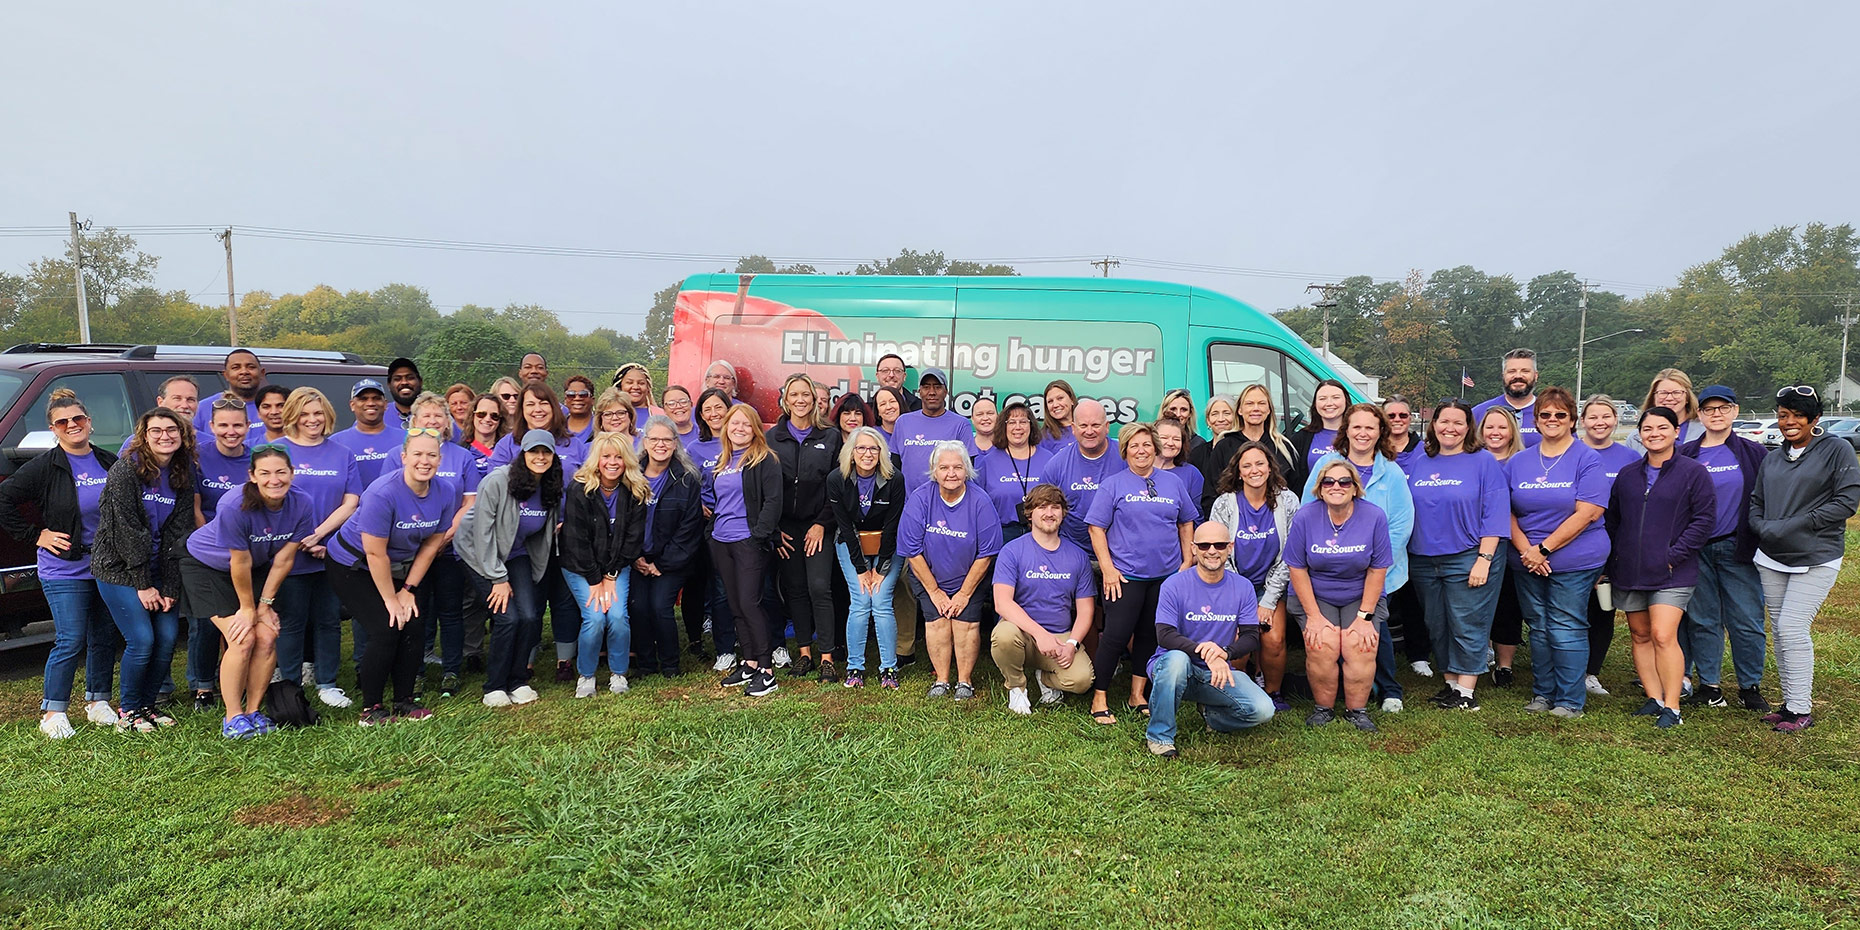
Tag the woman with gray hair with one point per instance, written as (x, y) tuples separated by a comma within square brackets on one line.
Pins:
[(950, 537), (867, 497)]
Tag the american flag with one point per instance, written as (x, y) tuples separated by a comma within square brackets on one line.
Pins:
[(1466, 379)]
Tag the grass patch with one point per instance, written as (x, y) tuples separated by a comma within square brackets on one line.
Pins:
[(679, 805)]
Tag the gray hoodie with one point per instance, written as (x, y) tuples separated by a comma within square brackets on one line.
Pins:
[(1799, 510), (489, 531)]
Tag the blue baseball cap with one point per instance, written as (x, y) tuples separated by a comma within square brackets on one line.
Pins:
[(1717, 392), (367, 384), (941, 377)]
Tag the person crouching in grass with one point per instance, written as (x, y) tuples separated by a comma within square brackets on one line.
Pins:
[(1207, 622), (1046, 596)]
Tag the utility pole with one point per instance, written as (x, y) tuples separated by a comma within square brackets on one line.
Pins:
[(232, 310), (77, 262), (1582, 333), (1326, 303), (1847, 319), (1106, 264)]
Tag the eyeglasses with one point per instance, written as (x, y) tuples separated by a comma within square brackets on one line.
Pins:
[(1718, 408), (228, 402), (1211, 546), (162, 431), (488, 415), (891, 371), (1345, 482), (425, 431), (678, 404), (68, 422), (613, 413), (1554, 415), (1806, 390), (577, 395), (658, 440)]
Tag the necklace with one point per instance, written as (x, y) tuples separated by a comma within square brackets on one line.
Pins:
[(1550, 467)]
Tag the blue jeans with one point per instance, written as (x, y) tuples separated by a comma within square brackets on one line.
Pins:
[(203, 652), (1557, 609), (1459, 618), (516, 631), (1728, 599), (610, 625), (870, 609), (78, 625), (309, 614), (655, 627), (444, 603), (148, 643), (1176, 679), (564, 611)]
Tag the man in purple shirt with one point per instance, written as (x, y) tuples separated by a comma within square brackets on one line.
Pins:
[(1206, 622), (918, 431), (405, 384), (1520, 375), (1081, 468), (369, 440), (1044, 593), (245, 376)]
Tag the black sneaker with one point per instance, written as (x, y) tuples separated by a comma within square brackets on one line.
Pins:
[(448, 685), (738, 677), (1447, 699), (668, 671), (828, 672), (203, 700), (1752, 698), (564, 671), (1320, 717), (762, 684), (376, 716), (909, 658), (1652, 708), (1705, 696), (802, 666), (1359, 718), (1501, 676), (1469, 701)]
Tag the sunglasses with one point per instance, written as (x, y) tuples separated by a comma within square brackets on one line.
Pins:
[(68, 422), (1211, 546), (508, 396), (1399, 416), (1553, 415), (1149, 486), (1806, 390), (1337, 482), (227, 402), (271, 447), (577, 395), (426, 431), (488, 415)]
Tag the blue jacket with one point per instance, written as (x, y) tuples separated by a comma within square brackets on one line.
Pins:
[(1656, 532), (1749, 457), (1387, 489)]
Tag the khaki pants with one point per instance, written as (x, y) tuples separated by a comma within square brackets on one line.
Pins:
[(904, 608), (1015, 653)]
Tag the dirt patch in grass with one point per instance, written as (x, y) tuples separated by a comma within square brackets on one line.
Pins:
[(372, 787), (1402, 745), (295, 812)]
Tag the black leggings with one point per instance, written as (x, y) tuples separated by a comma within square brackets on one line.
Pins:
[(1601, 633), (1508, 619), (390, 651), (807, 590), (1405, 614), (1132, 614), (742, 565)]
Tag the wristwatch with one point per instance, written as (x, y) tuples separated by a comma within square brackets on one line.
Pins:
[(410, 587), (1543, 549), (1072, 642), (267, 601), (1488, 556), (1364, 614)]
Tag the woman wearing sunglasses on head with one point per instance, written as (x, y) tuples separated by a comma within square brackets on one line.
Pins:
[(1257, 508), (1140, 521), (447, 591), (232, 573), (1339, 554), (222, 468), (143, 522), (1806, 492), (65, 487)]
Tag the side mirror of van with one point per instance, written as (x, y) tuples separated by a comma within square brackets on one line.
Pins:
[(35, 442)]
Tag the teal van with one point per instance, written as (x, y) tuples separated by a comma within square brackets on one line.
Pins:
[(1123, 342)]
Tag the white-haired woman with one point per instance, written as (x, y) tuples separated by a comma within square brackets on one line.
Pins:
[(950, 537)]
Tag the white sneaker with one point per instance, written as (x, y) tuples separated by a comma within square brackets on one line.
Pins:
[(308, 677), (1048, 693), (1017, 702), (333, 697), (497, 699), (101, 713), (617, 684), (523, 694), (1685, 687), (782, 660), (1392, 705), (1422, 669), (56, 725), (1491, 658), (584, 687), (725, 662), (1594, 686)]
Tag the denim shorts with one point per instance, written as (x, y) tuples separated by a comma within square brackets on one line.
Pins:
[(1638, 601)]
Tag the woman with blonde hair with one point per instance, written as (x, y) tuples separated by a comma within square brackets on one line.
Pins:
[(669, 547), (1499, 438), (1255, 419), (603, 530), (1672, 389), (509, 392), (614, 413), (866, 495), (808, 450), (743, 491), (310, 620)]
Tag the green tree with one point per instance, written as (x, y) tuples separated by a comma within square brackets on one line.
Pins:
[(910, 262), (472, 352)]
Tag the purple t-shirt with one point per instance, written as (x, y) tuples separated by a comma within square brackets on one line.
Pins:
[(325, 473), (1045, 583), (1079, 478), (1727, 478), (1007, 479), (261, 532), (690, 439), (89, 475), (705, 453), (390, 510), (571, 452), (917, 434), (727, 503), (371, 450), (1203, 612), (1338, 558), (1616, 457), (951, 537), (656, 487), (157, 504), (530, 516), (457, 467), (1256, 540), (1321, 442), (1527, 418), (1545, 491), (217, 473), (1141, 525), (868, 486), (1407, 459), (1192, 480), (1458, 500)]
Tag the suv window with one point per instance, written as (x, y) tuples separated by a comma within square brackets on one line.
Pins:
[(1233, 367), (105, 397)]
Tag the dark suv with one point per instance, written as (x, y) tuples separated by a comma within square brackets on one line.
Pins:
[(117, 383)]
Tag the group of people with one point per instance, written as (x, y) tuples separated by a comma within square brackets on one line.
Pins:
[(892, 520)]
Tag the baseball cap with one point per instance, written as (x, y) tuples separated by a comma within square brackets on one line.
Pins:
[(538, 439), (941, 377), (367, 384), (1717, 392), (400, 363)]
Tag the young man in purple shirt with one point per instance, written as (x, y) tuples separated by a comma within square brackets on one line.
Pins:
[(1520, 376), (1044, 593), (245, 376), (1206, 622), (369, 440), (1081, 468), (918, 431)]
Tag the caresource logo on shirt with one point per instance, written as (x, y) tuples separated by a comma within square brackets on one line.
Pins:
[(1085, 483), (1146, 497), (1045, 573), (90, 481), (1543, 483), (1207, 615), (1435, 481), (1254, 534), (310, 471), (917, 440), (268, 535), (1721, 469), (416, 522), (942, 528), (220, 483), (1331, 547), (156, 497), (368, 454)]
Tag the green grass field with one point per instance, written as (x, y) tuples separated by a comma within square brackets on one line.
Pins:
[(679, 805)]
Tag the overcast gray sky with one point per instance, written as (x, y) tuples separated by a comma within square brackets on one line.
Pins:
[(1620, 141)]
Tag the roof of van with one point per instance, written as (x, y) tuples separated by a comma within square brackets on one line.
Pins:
[(727, 281)]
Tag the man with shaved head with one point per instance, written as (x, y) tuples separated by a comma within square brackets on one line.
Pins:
[(1206, 623), (1080, 469)]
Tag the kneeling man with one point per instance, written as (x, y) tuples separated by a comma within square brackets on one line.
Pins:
[(1206, 622), (1041, 581)]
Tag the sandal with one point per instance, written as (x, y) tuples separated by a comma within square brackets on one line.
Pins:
[(135, 721), (1143, 708), (1104, 717)]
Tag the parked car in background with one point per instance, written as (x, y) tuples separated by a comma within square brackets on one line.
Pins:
[(117, 383), (1771, 436), (1847, 428), (1748, 429)]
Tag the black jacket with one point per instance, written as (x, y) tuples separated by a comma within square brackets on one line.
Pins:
[(120, 554), (761, 498), (677, 522), (46, 483), (589, 545), (1213, 458), (804, 469), (887, 507)]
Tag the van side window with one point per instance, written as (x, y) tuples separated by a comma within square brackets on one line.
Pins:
[(105, 397), (1233, 367)]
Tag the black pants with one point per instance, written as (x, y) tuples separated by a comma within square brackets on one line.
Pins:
[(655, 629), (696, 596), (564, 613), (1508, 619), (1405, 615), (1601, 633), (391, 652), (807, 590), (1133, 614), (742, 565)]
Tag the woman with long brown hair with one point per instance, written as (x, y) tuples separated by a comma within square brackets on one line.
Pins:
[(1256, 506)]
